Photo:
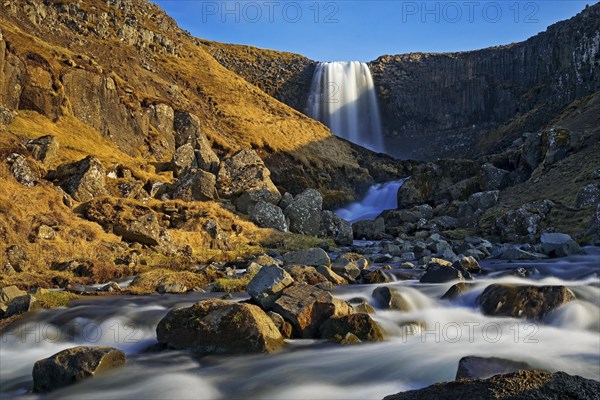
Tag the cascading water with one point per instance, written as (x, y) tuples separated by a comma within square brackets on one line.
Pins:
[(343, 97), (380, 197)]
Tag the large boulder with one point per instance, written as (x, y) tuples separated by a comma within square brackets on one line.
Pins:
[(483, 200), (184, 160), (493, 178), (196, 185), (73, 365), (305, 213), (438, 273), (410, 194), (360, 325), (245, 202), (523, 223), (473, 367), (188, 131), (588, 195), (522, 385), (314, 256), (559, 244), (372, 230), (22, 304), (44, 149), (532, 302), (307, 307), (267, 215), (219, 327), (306, 274), (388, 298), (244, 172), (267, 285), (337, 228), (83, 180), (24, 170)]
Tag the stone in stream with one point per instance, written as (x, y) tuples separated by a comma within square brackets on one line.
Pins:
[(219, 327), (473, 367), (361, 306), (372, 277), (285, 328), (307, 307), (267, 285), (388, 298), (306, 274), (172, 288), (437, 273), (527, 301), (456, 290), (360, 325), (22, 304), (73, 365), (312, 256), (559, 245), (521, 385), (331, 275)]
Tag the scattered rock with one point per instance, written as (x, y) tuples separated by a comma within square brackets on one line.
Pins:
[(532, 302), (361, 306), (336, 228), (483, 200), (22, 304), (467, 264), (331, 275), (73, 365), (312, 256), (559, 245), (307, 307), (360, 325), (388, 298), (267, 215), (473, 367), (16, 259), (304, 213), (306, 274), (83, 180), (437, 273), (184, 160), (188, 131), (196, 185), (267, 285), (456, 290), (111, 287), (372, 230), (245, 202), (372, 277), (218, 327), (24, 171), (9, 293), (493, 178), (44, 149), (218, 238), (172, 288), (285, 328), (46, 232)]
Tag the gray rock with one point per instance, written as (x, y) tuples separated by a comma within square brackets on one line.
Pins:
[(456, 290), (349, 269), (285, 328), (588, 195), (304, 213), (483, 200), (473, 367), (267, 285), (267, 215), (16, 259), (532, 302), (371, 230), (340, 230), (247, 200), (312, 256), (493, 178), (219, 327), (196, 185), (437, 273), (22, 304), (44, 149), (286, 200), (184, 160), (559, 245), (188, 131), (515, 253), (83, 180), (360, 325), (24, 171), (73, 365), (388, 298), (172, 288)]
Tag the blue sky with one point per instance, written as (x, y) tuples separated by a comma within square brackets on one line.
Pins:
[(364, 30)]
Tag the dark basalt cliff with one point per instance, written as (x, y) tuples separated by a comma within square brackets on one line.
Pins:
[(452, 104)]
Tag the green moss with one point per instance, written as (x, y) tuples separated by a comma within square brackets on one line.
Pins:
[(52, 299)]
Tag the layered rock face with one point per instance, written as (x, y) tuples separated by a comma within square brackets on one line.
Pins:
[(441, 104)]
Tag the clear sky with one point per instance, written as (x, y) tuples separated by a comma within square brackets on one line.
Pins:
[(363, 30)]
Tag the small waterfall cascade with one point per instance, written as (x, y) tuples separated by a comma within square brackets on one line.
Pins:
[(380, 197), (342, 96)]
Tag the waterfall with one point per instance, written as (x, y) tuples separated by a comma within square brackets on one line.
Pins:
[(380, 197), (342, 96)]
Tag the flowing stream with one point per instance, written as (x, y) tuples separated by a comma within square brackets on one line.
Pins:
[(413, 356), (342, 96), (379, 197)]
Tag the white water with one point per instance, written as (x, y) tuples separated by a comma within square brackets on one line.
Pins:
[(380, 197), (566, 340), (343, 97)]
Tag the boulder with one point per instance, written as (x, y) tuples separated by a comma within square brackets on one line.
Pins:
[(218, 238), (373, 277), (83, 180), (306, 274), (371, 230), (9, 293), (515, 253), (307, 307), (456, 290), (184, 160), (312, 256), (267, 215), (532, 302), (16, 259), (22, 304), (196, 185), (559, 245), (492, 178), (361, 306), (267, 285), (349, 269), (219, 327), (73, 365), (286, 200), (304, 213), (44, 149), (360, 325), (467, 264), (437, 273), (388, 298), (330, 275), (473, 367), (172, 288), (45, 232), (245, 172), (522, 385), (24, 171), (340, 230), (188, 131), (523, 223), (409, 194), (285, 328), (483, 200), (588, 195), (247, 200)]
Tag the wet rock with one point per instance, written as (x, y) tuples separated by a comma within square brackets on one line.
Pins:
[(111, 287), (372, 277), (9, 293), (330, 275), (267, 215), (350, 339), (44, 149), (307, 307), (522, 385), (559, 245), (22, 304), (473, 367), (336, 228), (285, 328), (312, 256), (219, 327), (388, 298), (588, 195), (515, 253), (532, 302), (410, 194), (467, 264), (361, 306), (437, 273), (184, 160), (267, 285), (493, 178), (188, 131), (16, 259), (172, 288), (83, 180), (306, 274), (456, 290), (73, 365), (349, 268), (24, 171), (360, 325), (245, 172), (196, 185), (304, 213)]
